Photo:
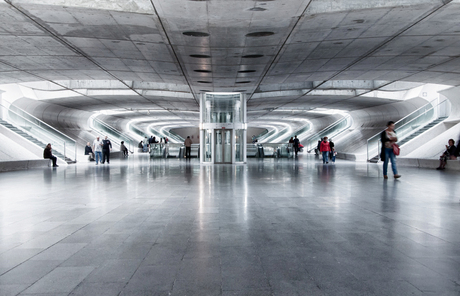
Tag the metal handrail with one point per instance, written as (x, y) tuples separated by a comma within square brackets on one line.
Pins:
[(46, 133), (407, 116), (407, 123), (39, 120), (329, 127), (315, 135), (121, 134)]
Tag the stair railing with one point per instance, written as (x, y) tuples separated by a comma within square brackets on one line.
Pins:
[(41, 131), (113, 134), (330, 131), (410, 124)]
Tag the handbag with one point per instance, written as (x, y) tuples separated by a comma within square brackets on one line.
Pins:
[(396, 149)]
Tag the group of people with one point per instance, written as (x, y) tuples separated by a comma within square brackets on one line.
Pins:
[(295, 143), (100, 150), (327, 149), (147, 142)]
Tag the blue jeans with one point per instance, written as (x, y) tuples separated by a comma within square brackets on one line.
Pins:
[(389, 155), (325, 156), (98, 156)]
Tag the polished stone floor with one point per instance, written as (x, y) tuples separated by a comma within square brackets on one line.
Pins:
[(271, 227)]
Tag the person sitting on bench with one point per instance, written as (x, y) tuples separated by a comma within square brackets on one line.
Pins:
[(450, 153), (47, 154), (123, 149), (89, 151)]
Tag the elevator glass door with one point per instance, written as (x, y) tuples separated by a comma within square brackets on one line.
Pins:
[(223, 146)]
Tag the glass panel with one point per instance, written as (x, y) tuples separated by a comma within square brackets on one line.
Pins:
[(228, 146), (218, 148), (207, 143), (239, 145), (40, 132)]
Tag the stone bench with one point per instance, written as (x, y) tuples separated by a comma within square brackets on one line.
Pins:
[(16, 165), (453, 165)]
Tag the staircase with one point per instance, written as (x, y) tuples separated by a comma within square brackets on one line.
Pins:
[(405, 140), (34, 140), (421, 131)]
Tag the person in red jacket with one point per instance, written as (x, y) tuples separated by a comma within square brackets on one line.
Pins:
[(325, 149)]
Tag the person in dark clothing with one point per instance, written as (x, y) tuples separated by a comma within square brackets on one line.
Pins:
[(450, 153), (89, 151), (318, 146), (141, 144), (123, 149), (106, 148), (47, 154), (188, 147), (151, 140), (388, 138), (296, 145), (331, 145)]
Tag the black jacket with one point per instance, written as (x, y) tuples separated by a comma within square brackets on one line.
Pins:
[(106, 145), (384, 138), (331, 144), (88, 150), (451, 151), (47, 153), (296, 142)]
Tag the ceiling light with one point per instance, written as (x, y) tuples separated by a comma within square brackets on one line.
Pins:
[(200, 56), (253, 56), (260, 34), (195, 34)]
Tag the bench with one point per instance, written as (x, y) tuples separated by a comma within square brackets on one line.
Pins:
[(16, 165)]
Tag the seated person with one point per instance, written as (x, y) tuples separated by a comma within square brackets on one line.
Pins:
[(47, 154), (123, 149), (450, 153), (89, 151)]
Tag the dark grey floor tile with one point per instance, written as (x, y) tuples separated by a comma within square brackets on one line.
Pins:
[(152, 278), (28, 272), (114, 271), (60, 280), (11, 289), (99, 289)]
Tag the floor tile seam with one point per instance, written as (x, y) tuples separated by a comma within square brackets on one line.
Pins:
[(181, 260), (42, 252), (132, 275), (398, 222), (457, 282), (36, 214)]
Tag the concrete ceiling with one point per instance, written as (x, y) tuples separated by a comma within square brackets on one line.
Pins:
[(160, 55)]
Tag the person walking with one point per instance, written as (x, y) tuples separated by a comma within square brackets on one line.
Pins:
[(389, 138), (296, 145), (106, 148), (151, 140), (331, 154), (290, 146), (325, 149), (48, 154), (97, 149), (145, 145), (188, 147)]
